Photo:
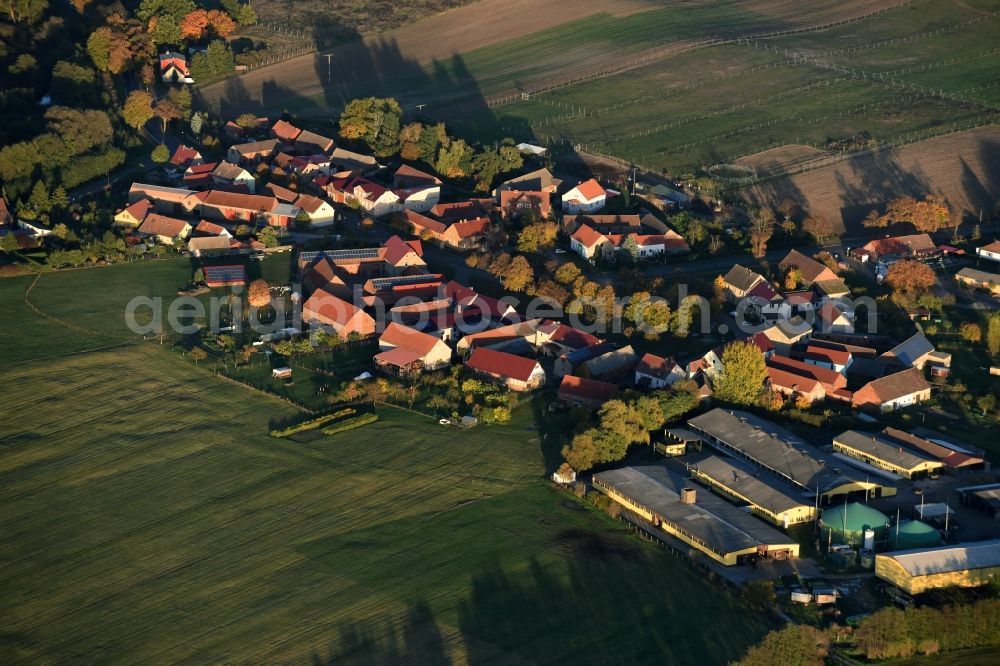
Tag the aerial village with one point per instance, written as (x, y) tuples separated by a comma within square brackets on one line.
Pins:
[(743, 496), (378, 247)]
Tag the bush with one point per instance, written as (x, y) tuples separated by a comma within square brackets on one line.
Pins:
[(351, 423), (312, 424)]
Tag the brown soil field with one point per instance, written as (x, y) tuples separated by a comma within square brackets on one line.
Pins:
[(301, 84), (781, 159), (964, 167)]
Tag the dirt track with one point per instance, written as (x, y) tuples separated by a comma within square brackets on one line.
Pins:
[(965, 167), (399, 56)]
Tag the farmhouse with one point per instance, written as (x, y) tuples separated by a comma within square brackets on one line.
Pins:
[(784, 456), (369, 195), (889, 250), (536, 181), (587, 197), (165, 229), (199, 176), (582, 392), (831, 319), (285, 131), (612, 364), (916, 352), (990, 251), (810, 269), (310, 143), (979, 279), (320, 212), (515, 204), (705, 522), (792, 384), (167, 200), (173, 67), (605, 224), (201, 246), (894, 391), (838, 360), (831, 380), (878, 451), (921, 569), (768, 497), (234, 176), (403, 348), (469, 209), (523, 335), (783, 334), (656, 372), (253, 152), (325, 310), (134, 214), (184, 157), (515, 372), (568, 362), (417, 190), (236, 206), (346, 162), (740, 280)]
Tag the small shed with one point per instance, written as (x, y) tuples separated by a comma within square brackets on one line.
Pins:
[(284, 372)]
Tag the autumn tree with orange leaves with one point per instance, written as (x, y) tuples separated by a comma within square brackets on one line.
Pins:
[(195, 24), (926, 216)]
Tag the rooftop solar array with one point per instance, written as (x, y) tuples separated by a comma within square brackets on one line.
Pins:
[(225, 274), (341, 255), (380, 284)]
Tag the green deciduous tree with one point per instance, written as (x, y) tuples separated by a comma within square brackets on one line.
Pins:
[(993, 334), (160, 154), (743, 374), (374, 120), (138, 109), (519, 275), (537, 237)]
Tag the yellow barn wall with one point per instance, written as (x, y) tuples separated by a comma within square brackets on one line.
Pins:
[(891, 571)]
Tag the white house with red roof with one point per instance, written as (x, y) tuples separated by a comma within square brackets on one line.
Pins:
[(369, 195), (184, 157), (592, 244), (515, 372), (838, 360), (989, 251), (656, 372), (174, 68), (587, 197), (320, 212)]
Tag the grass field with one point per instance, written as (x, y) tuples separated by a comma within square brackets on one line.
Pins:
[(148, 518), (717, 104)]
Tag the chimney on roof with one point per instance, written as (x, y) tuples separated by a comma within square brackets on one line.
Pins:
[(688, 495)]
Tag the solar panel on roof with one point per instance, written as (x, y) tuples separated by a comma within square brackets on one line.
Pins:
[(386, 283), (225, 274), (359, 253), (341, 255)]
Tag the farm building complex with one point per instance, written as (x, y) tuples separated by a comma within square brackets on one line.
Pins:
[(703, 521)]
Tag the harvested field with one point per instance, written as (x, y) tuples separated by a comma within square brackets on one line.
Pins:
[(965, 167), (470, 57)]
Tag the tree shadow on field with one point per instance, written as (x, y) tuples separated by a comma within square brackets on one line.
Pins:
[(876, 179), (982, 193), (383, 641)]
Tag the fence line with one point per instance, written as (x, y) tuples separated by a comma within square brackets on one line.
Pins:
[(675, 49)]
